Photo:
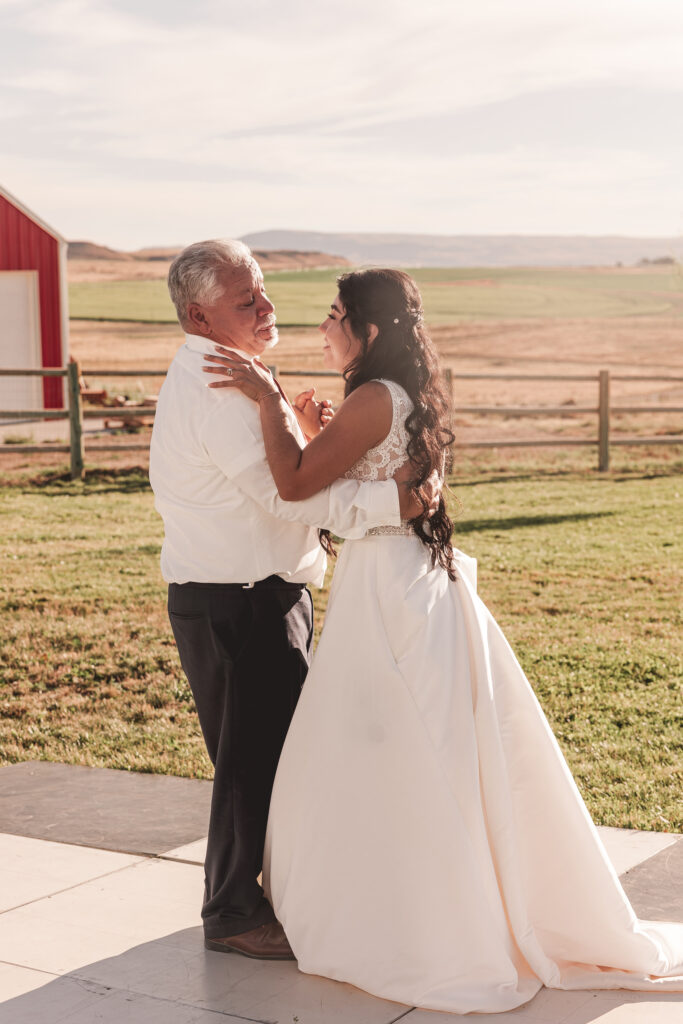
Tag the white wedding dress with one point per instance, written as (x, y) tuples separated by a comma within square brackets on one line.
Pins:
[(426, 841)]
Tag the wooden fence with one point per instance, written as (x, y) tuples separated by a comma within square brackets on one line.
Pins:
[(603, 409)]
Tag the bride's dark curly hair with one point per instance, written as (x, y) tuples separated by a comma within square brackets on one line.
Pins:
[(403, 352)]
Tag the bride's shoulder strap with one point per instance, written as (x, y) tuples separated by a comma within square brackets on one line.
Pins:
[(400, 399), (397, 391)]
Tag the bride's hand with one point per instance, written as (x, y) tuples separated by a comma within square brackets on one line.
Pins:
[(311, 414), (253, 379)]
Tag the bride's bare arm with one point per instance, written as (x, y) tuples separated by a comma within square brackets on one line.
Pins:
[(361, 422)]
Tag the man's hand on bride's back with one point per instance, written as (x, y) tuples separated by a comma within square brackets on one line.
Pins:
[(409, 505)]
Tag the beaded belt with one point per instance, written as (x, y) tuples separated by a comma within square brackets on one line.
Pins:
[(397, 531)]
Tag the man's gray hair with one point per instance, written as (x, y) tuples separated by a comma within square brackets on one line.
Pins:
[(193, 275)]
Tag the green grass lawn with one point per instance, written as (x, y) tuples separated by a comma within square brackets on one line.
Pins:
[(449, 294), (582, 572)]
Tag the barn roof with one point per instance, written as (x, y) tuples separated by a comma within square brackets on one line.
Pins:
[(31, 215)]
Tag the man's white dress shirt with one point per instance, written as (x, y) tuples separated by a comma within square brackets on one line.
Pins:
[(224, 521)]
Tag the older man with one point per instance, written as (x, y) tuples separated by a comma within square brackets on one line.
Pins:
[(237, 560)]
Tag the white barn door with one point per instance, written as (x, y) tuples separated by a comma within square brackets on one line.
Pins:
[(20, 339)]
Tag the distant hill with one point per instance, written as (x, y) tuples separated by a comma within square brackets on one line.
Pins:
[(296, 259), (291, 250), (474, 250), (280, 259), (275, 259), (90, 251), (156, 253)]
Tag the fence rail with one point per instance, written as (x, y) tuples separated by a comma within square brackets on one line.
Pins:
[(75, 412)]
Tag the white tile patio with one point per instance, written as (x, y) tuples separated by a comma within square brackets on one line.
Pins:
[(32, 869), (93, 936)]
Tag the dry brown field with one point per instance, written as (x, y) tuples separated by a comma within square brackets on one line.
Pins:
[(629, 347)]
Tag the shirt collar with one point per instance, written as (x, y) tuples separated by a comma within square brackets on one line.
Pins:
[(207, 346)]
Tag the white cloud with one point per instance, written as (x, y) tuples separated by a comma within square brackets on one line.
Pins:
[(57, 81), (81, 21), (141, 117)]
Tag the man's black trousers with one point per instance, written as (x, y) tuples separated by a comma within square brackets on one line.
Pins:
[(245, 652)]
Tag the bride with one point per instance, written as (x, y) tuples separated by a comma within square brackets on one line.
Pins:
[(426, 841)]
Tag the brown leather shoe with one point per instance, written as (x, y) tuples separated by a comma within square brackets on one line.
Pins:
[(267, 942)]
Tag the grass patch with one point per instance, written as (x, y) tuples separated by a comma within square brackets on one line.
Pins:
[(449, 294), (18, 439), (582, 572)]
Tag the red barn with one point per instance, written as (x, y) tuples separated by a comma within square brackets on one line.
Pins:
[(34, 318)]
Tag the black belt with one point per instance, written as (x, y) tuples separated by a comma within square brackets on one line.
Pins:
[(274, 582)]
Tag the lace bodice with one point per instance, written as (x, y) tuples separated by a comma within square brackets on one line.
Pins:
[(382, 461)]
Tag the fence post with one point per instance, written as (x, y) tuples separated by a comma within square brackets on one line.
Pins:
[(603, 422), (448, 379), (75, 421)]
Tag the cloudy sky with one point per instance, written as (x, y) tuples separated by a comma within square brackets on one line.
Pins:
[(156, 122)]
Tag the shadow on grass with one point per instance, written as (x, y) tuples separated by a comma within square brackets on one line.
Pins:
[(470, 478), (618, 474), (513, 522), (127, 480)]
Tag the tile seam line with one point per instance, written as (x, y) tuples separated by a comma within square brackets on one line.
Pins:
[(660, 853), (79, 978), (76, 885), (25, 967), (176, 860), (106, 849), (403, 1015), (78, 975)]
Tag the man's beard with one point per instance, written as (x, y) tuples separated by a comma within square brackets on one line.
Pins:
[(272, 342)]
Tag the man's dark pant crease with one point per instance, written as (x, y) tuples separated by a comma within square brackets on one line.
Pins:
[(245, 652)]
